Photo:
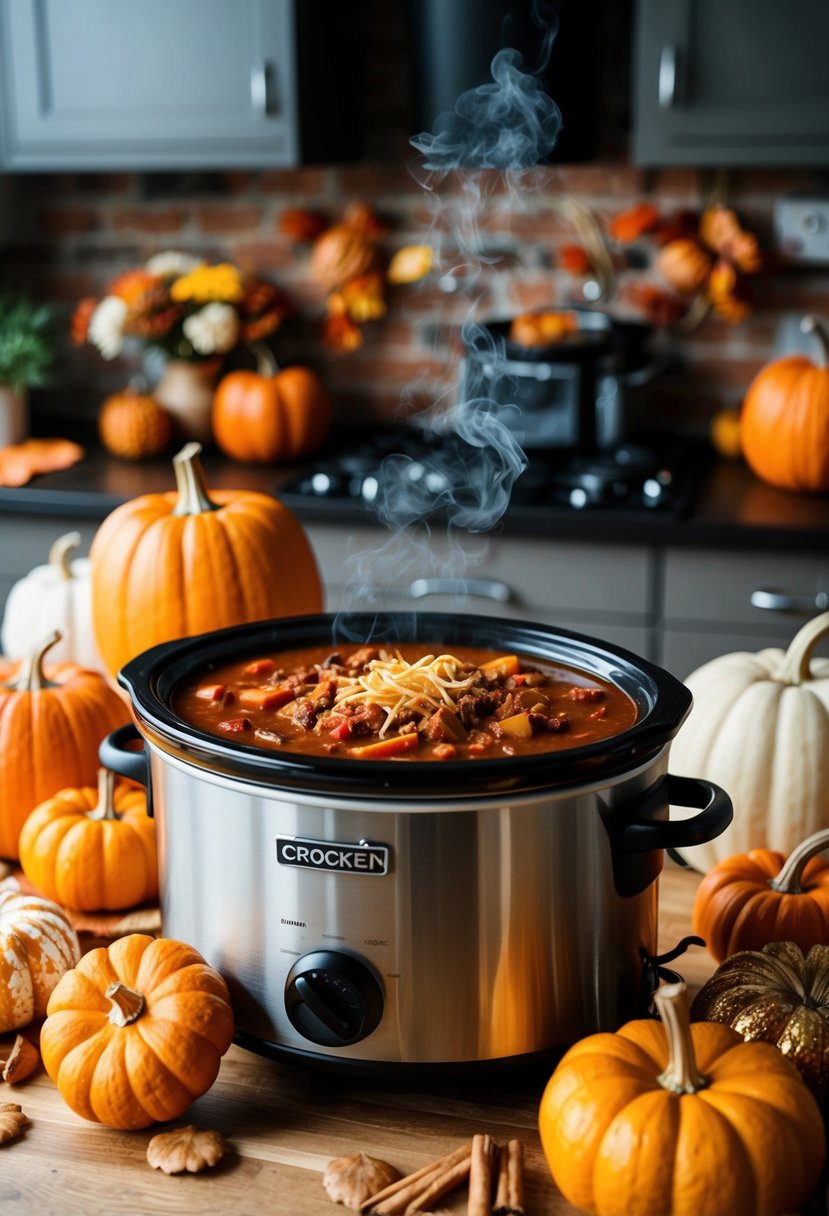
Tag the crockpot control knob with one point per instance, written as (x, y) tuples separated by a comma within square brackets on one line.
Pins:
[(333, 999)]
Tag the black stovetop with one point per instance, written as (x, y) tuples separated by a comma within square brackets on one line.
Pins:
[(651, 474)]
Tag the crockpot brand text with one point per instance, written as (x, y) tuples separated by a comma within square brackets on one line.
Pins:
[(331, 855)]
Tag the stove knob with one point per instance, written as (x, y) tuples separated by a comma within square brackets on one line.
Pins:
[(333, 999)]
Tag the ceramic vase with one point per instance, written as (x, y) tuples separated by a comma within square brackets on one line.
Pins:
[(185, 390), (14, 415)]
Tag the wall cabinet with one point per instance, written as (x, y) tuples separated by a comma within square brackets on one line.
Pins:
[(150, 84), (678, 607), (731, 82)]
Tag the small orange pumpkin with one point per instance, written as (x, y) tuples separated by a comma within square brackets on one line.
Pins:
[(52, 720), (680, 1118), (168, 566), (343, 252), (92, 849), (136, 1031), (132, 425), (37, 944), (267, 415), (784, 422), (753, 898), (685, 265), (542, 328)]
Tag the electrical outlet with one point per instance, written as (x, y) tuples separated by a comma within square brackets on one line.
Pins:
[(801, 227)]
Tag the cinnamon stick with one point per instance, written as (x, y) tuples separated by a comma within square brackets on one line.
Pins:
[(480, 1176), (509, 1198), (395, 1198), (440, 1186)]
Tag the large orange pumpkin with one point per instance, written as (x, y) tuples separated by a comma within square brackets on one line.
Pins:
[(52, 720), (784, 424), (267, 415), (680, 1118), (92, 849), (136, 1031), (167, 566), (761, 896)]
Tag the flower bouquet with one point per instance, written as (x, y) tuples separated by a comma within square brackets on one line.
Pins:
[(194, 313)]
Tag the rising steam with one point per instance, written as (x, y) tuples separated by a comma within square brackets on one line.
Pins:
[(496, 134)]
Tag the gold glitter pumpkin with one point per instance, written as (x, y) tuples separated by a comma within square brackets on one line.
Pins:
[(780, 996)]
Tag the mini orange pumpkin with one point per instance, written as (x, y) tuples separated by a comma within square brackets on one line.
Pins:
[(268, 415), (343, 252), (784, 424), (92, 849), (685, 265), (37, 944), (52, 720), (136, 1031), (753, 898), (542, 328), (133, 425), (168, 566), (680, 1118)]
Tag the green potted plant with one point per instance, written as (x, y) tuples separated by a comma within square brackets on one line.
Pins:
[(26, 352)]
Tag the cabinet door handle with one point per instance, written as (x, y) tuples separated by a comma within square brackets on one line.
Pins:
[(259, 89), (666, 86), (779, 601), (486, 588)]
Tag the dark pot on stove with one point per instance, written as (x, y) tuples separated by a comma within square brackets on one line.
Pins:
[(570, 394)]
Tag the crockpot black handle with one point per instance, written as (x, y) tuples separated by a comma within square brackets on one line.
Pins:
[(713, 803), (113, 753)]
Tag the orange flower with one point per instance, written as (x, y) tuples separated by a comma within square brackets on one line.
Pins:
[(302, 224), (633, 223), (574, 259), (79, 326), (364, 219), (726, 294), (262, 326), (362, 297), (720, 229), (132, 285), (340, 333)]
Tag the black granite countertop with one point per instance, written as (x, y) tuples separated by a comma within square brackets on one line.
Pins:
[(732, 507)]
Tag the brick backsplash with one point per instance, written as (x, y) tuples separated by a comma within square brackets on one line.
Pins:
[(72, 233)]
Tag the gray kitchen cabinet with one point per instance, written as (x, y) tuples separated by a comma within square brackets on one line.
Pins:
[(155, 84), (731, 82), (599, 589), (715, 602)]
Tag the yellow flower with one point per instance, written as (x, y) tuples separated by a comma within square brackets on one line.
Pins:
[(409, 264), (209, 283)]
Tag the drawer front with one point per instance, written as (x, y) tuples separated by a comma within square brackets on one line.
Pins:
[(764, 591), (515, 575)]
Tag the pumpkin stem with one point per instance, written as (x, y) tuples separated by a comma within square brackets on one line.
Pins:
[(31, 677), (795, 668), (266, 364), (59, 553), (193, 498), (789, 880), (127, 1006), (105, 808), (682, 1075), (811, 325)]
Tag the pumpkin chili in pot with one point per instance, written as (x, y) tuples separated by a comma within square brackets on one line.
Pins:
[(406, 702)]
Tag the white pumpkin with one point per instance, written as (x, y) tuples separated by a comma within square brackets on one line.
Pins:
[(759, 727), (37, 945), (57, 596)]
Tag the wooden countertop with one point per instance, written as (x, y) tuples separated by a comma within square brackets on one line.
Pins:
[(284, 1125)]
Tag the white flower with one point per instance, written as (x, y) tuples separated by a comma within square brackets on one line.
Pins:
[(106, 326), (171, 264), (213, 330)]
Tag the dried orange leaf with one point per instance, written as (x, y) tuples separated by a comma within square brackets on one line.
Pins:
[(12, 1121), (188, 1149), (352, 1180), (19, 1061)]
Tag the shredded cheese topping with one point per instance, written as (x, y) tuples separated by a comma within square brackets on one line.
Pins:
[(414, 688)]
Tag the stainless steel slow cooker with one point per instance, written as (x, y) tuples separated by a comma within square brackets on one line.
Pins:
[(395, 914)]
